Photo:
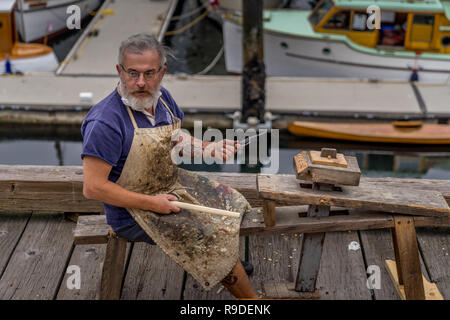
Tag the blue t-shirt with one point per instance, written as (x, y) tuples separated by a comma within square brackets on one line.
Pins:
[(108, 133)]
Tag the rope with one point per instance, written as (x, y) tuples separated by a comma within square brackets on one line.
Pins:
[(189, 25), (212, 64), (175, 18)]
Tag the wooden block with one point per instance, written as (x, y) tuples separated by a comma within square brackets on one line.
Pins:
[(329, 172), (301, 166), (407, 258), (367, 196), (310, 254), (286, 291), (328, 152), (112, 272), (431, 290), (91, 229), (338, 161), (269, 213)]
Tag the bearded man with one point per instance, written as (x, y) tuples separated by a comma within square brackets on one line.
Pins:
[(127, 143)]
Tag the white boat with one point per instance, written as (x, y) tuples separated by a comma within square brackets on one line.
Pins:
[(37, 19), (333, 40), (17, 57)]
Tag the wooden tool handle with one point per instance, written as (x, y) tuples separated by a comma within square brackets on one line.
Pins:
[(189, 206)]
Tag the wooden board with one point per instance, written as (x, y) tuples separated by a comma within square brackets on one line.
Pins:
[(39, 260), (305, 169), (59, 189), (151, 275), (89, 258), (11, 228), (373, 132), (365, 196), (431, 290), (378, 247), (435, 247), (342, 274)]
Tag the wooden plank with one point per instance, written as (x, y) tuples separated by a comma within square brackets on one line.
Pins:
[(311, 254), (113, 268), (21, 186), (431, 290), (89, 258), (91, 229), (407, 258), (151, 275), (342, 274), (39, 260), (274, 258), (435, 248), (288, 221), (11, 228), (365, 196), (378, 247), (194, 291)]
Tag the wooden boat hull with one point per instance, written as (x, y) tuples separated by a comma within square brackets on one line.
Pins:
[(373, 132)]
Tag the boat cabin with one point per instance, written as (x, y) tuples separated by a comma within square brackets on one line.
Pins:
[(8, 31), (414, 25)]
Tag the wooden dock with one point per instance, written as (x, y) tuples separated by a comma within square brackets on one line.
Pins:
[(36, 247), (56, 99)]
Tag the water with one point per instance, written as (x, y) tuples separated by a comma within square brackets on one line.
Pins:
[(194, 50)]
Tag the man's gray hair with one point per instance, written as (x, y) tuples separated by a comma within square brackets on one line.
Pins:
[(141, 42)]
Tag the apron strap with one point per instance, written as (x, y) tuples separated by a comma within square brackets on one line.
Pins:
[(168, 109), (132, 117)]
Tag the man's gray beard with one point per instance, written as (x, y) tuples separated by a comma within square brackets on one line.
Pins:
[(138, 104)]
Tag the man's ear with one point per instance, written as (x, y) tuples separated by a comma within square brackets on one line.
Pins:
[(118, 69), (163, 71)]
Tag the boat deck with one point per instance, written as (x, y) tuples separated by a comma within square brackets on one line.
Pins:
[(37, 249), (98, 55), (305, 97)]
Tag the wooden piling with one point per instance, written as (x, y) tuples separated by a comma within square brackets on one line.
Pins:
[(254, 71)]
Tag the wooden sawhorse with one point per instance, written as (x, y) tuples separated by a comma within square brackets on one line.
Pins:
[(409, 206)]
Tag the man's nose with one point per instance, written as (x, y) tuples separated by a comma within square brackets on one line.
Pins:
[(141, 80)]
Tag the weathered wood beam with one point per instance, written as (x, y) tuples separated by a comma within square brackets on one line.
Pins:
[(60, 189)]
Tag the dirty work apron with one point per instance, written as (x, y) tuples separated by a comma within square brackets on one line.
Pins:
[(205, 245)]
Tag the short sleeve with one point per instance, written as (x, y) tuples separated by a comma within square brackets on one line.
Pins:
[(101, 141)]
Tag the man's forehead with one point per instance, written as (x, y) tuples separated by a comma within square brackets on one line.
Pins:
[(148, 59)]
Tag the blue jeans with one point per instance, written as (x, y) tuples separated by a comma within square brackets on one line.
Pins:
[(133, 232)]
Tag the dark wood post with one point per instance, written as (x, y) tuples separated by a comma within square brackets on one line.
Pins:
[(254, 70)]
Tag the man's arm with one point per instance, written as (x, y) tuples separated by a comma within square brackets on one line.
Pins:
[(223, 150), (97, 186)]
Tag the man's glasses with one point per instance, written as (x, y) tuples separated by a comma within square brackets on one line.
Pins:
[(148, 75)]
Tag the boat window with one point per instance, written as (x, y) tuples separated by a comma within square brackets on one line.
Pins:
[(423, 19), (422, 28), (446, 41), (340, 20), (393, 29), (320, 11), (360, 22)]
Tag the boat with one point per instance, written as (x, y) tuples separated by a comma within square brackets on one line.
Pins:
[(38, 20), (405, 132), (336, 40), (18, 57)]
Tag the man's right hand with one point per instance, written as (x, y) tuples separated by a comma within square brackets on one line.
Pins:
[(162, 203)]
